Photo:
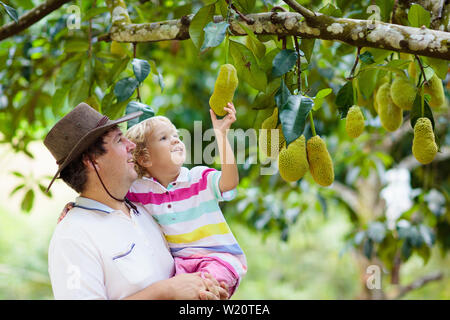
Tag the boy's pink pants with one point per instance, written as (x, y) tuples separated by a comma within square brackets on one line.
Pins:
[(219, 269)]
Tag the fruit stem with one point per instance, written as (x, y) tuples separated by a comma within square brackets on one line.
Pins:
[(227, 45), (311, 120), (355, 91), (422, 101)]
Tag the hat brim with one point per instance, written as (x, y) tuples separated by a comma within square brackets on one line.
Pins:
[(88, 139)]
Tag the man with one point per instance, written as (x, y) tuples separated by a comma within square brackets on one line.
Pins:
[(104, 248)]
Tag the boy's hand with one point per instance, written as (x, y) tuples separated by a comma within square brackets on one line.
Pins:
[(222, 125)]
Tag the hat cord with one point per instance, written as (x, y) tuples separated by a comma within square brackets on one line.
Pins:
[(104, 187)]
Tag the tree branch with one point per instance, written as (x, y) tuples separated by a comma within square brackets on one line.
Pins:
[(308, 14), (30, 18), (358, 33), (419, 283)]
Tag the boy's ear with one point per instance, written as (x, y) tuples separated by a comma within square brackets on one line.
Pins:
[(89, 161), (144, 160)]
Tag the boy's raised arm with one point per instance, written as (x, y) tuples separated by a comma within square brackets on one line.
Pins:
[(230, 175)]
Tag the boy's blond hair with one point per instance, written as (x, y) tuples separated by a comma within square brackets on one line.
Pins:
[(138, 134)]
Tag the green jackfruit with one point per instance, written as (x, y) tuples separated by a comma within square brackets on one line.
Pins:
[(292, 161), (412, 70), (226, 84), (436, 90), (320, 163), (270, 146), (391, 116), (354, 123), (403, 93), (424, 147), (379, 84)]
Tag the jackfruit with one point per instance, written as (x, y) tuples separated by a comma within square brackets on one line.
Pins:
[(354, 122), (380, 83), (320, 163), (403, 93), (292, 161), (226, 84), (412, 70), (436, 90), (271, 146), (391, 116), (424, 147)]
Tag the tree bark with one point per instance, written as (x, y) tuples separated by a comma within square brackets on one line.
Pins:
[(30, 18), (358, 33)]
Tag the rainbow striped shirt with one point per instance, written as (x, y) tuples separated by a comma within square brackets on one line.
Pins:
[(189, 215)]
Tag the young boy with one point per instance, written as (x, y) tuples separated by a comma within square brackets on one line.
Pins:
[(185, 202)]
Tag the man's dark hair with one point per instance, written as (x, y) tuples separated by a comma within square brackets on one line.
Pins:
[(75, 174)]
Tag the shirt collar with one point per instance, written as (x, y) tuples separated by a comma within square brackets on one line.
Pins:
[(89, 204), (182, 177)]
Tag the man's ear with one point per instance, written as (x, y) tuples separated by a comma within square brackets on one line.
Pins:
[(89, 161)]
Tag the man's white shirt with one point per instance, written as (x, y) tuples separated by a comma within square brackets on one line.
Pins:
[(100, 253)]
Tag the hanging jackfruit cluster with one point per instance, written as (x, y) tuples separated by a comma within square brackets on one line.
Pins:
[(226, 84), (297, 158), (424, 147)]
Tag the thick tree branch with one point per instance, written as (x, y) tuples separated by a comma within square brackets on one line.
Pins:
[(30, 18), (359, 33)]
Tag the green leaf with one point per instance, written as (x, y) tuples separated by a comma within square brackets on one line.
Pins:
[(76, 46), (427, 235), (27, 201), (331, 10), (247, 66), (367, 57), (78, 93), (266, 62), (17, 188), (18, 174), (320, 96), (307, 46), (214, 34), (344, 99), (93, 12), (257, 47), (119, 66), (44, 190), (439, 66), (376, 231), (201, 18), (418, 16), (246, 5), (416, 111), (158, 75), (367, 81), (386, 7), (12, 13), (368, 248), (398, 63), (282, 95), (124, 88), (283, 62), (141, 69), (134, 106), (406, 250), (293, 116)]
